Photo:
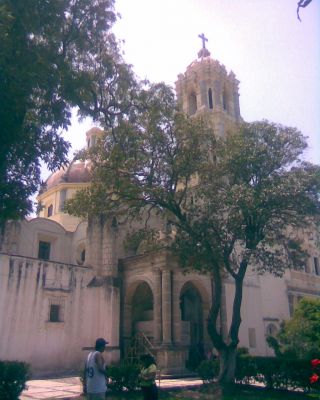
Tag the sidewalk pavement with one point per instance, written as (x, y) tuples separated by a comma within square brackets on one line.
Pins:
[(66, 388)]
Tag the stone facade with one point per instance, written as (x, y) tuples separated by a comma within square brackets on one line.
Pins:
[(65, 282)]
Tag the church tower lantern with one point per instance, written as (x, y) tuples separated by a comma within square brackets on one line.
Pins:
[(207, 88)]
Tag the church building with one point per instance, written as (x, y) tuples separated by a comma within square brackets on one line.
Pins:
[(66, 281)]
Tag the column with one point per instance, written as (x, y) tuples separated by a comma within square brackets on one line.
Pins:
[(166, 307), (157, 331), (176, 310)]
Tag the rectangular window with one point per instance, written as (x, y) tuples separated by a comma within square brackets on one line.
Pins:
[(252, 337), (63, 196), (316, 266), (50, 210), (54, 313), (291, 304), (56, 310), (44, 250)]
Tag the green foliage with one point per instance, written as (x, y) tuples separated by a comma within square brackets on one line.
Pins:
[(208, 370), (246, 369), (143, 159), (195, 357), (144, 240), (54, 55), (123, 377), (13, 377), (231, 202), (274, 373), (300, 336)]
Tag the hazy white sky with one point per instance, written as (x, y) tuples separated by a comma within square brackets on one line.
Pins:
[(275, 57)]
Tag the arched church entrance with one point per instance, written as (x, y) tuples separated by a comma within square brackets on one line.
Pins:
[(191, 307), (138, 320), (142, 310)]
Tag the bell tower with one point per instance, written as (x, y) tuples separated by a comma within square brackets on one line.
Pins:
[(207, 88)]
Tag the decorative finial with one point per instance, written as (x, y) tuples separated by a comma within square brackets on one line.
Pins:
[(203, 52), (204, 40)]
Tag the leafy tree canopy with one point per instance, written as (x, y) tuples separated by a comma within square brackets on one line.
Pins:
[(232, 202), (54, 55), (300, 336)]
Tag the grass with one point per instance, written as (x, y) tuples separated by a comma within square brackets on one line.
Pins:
[(236, 392), (239, 393)]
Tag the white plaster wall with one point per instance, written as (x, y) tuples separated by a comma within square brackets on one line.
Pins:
[(251, 314), (43, 229), (79, 238), (274, 297), (26, 288)]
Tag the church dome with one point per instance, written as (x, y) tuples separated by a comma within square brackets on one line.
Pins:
[(76, 172)]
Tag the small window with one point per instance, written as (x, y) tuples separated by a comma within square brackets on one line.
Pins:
[(114, 222), (56, 310), (271, 330), (291, 304), (225, 100), (83, 256), (50, 210), (252, 337), (316, 266), (63, 196), (55, 313), (192, 104), (210, 99), (44, 250)]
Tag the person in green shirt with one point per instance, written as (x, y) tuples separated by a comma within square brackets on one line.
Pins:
[(148, 377)]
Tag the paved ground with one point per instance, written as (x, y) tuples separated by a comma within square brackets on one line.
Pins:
[(71, 387)]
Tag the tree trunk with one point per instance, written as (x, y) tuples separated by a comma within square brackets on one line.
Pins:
[(227, 348), (227, 364)]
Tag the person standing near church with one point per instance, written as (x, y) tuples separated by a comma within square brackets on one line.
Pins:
[(148, 377), (95, 372)]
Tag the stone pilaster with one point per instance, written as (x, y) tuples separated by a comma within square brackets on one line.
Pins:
[(166, 307), (94, 244), (176, 311), (109, 250), (157, 306)]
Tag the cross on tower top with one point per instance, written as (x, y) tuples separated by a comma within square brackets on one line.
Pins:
[(204, 40), (203, 52)]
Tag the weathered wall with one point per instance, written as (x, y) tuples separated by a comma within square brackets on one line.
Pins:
[(27, 288)]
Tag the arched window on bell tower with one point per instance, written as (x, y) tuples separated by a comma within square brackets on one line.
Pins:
[(192, 103), (210, 99), (225, 99)]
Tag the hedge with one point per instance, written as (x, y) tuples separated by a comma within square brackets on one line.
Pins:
[(123, 376), (13, 377), (272, 372)]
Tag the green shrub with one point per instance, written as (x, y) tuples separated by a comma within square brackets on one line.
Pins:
[(13, 377), (123, 376), (208, 370), (273, 372), (246, 369), (196, 356)]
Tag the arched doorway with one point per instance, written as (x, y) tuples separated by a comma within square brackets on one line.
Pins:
[(137, 321), (142, 310), (191, 308)]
